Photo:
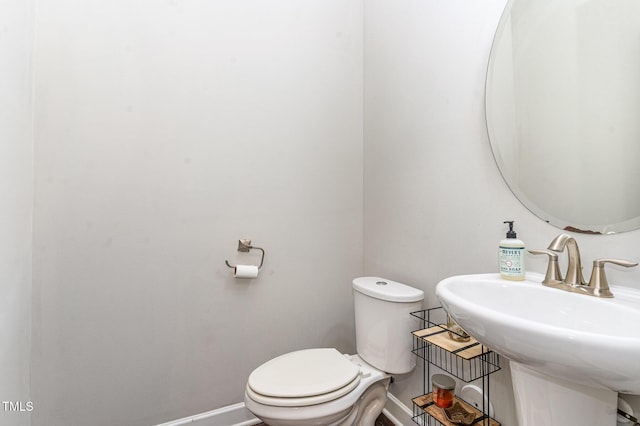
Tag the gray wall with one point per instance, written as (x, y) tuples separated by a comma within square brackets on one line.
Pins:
[(164, 132), (16, 198), (434, 199)]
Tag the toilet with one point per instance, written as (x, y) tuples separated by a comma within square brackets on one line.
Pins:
[(323, 387)]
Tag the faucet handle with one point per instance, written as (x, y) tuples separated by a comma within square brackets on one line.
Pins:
[(598, 281), (553, 270)]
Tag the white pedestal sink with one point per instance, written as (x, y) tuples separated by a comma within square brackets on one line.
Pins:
[(570, 354)]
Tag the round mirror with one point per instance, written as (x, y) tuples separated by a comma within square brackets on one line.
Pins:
[(563, 110)]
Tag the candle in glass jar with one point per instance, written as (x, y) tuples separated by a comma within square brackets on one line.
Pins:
[(443, 390)]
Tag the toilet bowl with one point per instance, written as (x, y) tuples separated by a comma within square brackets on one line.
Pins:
[(322, 387)]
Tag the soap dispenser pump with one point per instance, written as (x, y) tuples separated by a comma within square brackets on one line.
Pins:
[(512, 256)]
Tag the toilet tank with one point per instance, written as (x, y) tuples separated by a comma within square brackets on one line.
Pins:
[(384, 324)]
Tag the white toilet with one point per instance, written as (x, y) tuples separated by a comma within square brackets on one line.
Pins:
[(323, 387)]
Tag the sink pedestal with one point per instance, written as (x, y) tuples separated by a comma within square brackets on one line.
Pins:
[(543, 400)]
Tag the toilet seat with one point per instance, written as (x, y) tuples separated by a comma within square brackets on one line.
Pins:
[(302, 378)]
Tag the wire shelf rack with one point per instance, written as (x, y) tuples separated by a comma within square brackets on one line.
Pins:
[(467, 361)]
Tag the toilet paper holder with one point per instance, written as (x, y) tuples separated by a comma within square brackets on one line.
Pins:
[(244, 245)]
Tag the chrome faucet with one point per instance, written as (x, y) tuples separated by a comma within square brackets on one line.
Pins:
[(574, 281)]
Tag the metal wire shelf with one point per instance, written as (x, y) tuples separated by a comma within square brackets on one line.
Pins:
[(467, 361)]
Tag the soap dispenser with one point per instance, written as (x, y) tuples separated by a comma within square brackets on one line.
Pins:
[(511, 256)]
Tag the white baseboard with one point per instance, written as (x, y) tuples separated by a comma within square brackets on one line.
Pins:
[(231, 415), (238, 415), (397, 412)]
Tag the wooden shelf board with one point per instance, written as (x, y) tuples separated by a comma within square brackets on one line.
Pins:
[(426, 403), (439, 336)]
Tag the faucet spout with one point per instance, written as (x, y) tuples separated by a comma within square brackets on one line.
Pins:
[(574, 269)]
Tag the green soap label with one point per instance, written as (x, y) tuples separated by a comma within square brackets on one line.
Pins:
[(512, 261)]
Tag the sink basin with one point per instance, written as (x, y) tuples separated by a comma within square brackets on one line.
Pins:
[(552, 334)]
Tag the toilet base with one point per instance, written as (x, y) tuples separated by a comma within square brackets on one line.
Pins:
[(371, 404)]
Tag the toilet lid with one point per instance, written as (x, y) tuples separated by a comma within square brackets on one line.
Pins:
[(305, 373)]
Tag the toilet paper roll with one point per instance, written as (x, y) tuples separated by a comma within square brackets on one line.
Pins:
[(245, 271)]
